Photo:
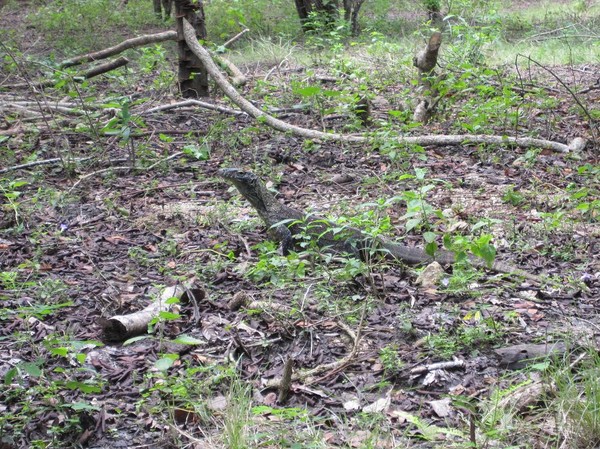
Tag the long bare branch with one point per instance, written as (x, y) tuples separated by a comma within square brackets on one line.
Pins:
[(426, 140), (119, 48)]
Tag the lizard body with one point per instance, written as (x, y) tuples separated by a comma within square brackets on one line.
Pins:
[(284, 223)]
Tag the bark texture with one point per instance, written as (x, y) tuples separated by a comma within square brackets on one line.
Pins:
[(193, 78)]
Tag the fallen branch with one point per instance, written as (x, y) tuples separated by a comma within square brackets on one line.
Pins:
[(235, 38), (121, 327), (107, 67), (593, 127), (185, 103), (237, 77), (105, 170), (79, 77), (51, 107), (53, 161), (433, 140), (310, 376), (119, 48), (519, 356), (435, 366)]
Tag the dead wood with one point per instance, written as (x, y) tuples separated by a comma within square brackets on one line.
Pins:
[(119, 48), (235, 38), (522, 398), (237, 77), (53, 161), (435, 366), (426, 140), (518, 356), (121, 327), (286, 381), (199, 103), (106, 67), (51, 107), (192, 76), (425, 62), (79, 77)]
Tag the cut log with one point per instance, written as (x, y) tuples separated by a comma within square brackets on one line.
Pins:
[(121, 327)]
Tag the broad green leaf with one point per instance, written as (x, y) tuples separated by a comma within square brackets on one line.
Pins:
[(412, 223), (10, 375), (83, 387), (187, 340), (173, 300), (165, 362), (81, 406), (134, 339), (308, 91), (31, 368), (168, 316), (429, 236), (431, 248)]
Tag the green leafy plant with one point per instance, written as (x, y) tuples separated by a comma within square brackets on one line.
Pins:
[(513, 197), (390, 359), (10, 190), (121, 126)]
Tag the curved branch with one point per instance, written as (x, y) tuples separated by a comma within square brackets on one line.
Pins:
[(261, 116), (125, 45)]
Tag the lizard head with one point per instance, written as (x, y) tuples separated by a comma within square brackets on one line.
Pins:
[(249, 185)]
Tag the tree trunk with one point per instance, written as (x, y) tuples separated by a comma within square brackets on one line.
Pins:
[(351, 10), (193, 79), (328, 11), (166, 6)]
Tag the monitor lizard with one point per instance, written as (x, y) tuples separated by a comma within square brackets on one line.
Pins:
[(285, 224)]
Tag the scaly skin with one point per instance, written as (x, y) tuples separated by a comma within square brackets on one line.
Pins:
[(284, 223)]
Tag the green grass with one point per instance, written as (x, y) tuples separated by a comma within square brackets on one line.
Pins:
[(77, 26)]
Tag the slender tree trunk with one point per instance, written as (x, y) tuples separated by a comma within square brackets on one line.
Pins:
[(162, 5), (193, 79), (327, 9), (351, 10)]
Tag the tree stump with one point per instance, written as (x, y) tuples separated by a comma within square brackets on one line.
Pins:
[(193, 78)]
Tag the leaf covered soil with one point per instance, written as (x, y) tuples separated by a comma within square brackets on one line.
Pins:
[(83, 254)]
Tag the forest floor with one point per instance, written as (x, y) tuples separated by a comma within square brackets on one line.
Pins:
[(78, 249)]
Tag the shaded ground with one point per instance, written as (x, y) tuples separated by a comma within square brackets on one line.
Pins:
[(85, 253)]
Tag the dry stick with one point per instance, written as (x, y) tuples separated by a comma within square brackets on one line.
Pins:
[(530, 38), (105, 170), (438, 140), (202, 104), (30, 85), (236, 37), (61, 109), (59, 104), (310, 376), (94, 71), (120, 327), (125, 45), (56, 160), (107, 67), (237, 77), (439, 365), (563, 84)]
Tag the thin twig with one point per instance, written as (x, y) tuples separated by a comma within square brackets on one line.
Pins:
[(235, 38), (105, 170), (56, 160), (202, 104), (573, 94)]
